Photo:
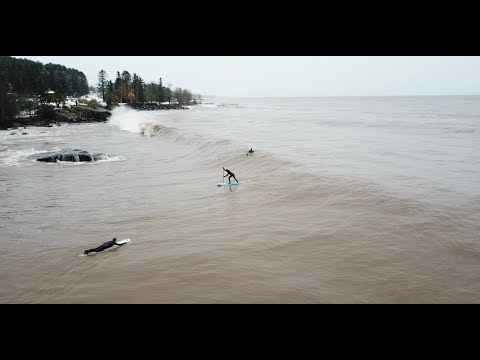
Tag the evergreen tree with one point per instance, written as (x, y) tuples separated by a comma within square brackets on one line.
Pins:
[(138, 88), (118, 87), (21, 79), (109, 93), (168, 93), (151, 92), (102, 83), (161, 96)]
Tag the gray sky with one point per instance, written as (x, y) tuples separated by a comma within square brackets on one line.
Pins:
[(244, 76)]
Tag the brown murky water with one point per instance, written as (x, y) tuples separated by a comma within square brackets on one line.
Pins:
[(369, 200)]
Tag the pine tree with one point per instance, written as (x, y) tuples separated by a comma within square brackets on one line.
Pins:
[(102, 83), (161, 96)]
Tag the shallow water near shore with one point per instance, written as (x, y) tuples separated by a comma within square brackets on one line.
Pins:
[(345, 200)]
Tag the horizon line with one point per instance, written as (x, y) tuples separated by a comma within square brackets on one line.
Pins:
[(317, 96)]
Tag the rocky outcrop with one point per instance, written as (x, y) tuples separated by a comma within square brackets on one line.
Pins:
[(74, 115), (82, 114), (75, 155)]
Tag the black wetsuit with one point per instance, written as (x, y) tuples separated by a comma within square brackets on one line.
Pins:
[(102, 247), (230, 175)]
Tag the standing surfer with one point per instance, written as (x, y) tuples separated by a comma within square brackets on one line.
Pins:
[(230, 175)]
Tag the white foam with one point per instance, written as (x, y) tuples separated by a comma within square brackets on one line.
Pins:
[(150, 129), (138, 122), (80, 163), (126, 119), (208, 105), (12, 157), (113, 158), (32, 132)]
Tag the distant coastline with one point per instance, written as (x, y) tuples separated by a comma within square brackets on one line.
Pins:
[(80, 112), (36, 94)]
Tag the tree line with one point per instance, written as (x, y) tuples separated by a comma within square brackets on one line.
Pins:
[(29, 78), (22, 79), (27, 85), (133, 90)]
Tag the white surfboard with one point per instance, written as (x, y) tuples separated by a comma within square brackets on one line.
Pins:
[(123, 241)]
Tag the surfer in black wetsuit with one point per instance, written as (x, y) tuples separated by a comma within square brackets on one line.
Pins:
[(104, 246), (250, 152), (229, 174)]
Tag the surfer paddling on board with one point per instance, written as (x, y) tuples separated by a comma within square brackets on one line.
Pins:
[(250, 152), (104, 246), (230, 175)]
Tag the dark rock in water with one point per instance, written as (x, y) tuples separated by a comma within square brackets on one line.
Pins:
[(24, 133), (75, 155)]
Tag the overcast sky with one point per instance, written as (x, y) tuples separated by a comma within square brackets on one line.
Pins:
[(245, 76)]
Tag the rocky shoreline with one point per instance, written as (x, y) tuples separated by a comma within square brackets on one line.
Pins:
[(79, 114), (73, 115)]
